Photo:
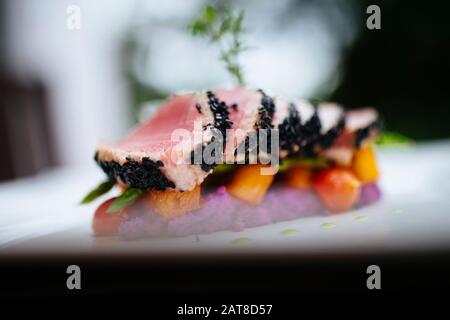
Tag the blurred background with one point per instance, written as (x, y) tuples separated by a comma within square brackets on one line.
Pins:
[(64, 90)]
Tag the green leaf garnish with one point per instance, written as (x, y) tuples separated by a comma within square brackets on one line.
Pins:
[(224, 168), (313, 163), (101, 189), (223, 26), (388, 138), (125, 199)]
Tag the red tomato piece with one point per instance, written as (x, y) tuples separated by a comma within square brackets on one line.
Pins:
[(105, 223), (338, 188)]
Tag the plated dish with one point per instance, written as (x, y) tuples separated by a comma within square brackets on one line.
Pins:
[(230, 159)]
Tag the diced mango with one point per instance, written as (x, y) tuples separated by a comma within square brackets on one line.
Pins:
[(299, 177), (248, 184), (365, 164), (171, 203)]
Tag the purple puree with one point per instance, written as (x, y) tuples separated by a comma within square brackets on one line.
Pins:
[(370, 193), (224, 212)]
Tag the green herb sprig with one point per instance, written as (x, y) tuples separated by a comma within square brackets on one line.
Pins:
[(125, 199), (98, 191), (388, 138), (313, 163), (223, 26)]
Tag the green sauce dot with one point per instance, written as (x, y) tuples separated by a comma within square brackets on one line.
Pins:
[(328, 225), (289, 232), (241, 241), (361, 218), (397, 210)]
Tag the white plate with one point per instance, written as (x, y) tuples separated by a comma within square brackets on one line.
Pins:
[(41, 215)]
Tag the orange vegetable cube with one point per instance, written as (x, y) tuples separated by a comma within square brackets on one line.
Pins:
[(248, 184), (171, 203), (299, 177), (338, 188), (365, 164)]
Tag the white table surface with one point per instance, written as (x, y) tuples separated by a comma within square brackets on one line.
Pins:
[(41, 215)]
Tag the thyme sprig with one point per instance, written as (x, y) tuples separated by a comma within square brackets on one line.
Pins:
[(223, 26)]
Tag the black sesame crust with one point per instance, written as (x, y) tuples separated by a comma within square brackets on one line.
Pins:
[(266, 111), (221, 114), (145, 174), (311, 133), (363, 133), (222, 122), (291, 130), (306, 139)]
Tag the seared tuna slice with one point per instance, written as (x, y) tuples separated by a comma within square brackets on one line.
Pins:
[(362, 127), (365, 124), (306, 129), (149, 157), (325, 129), (250, 112)]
